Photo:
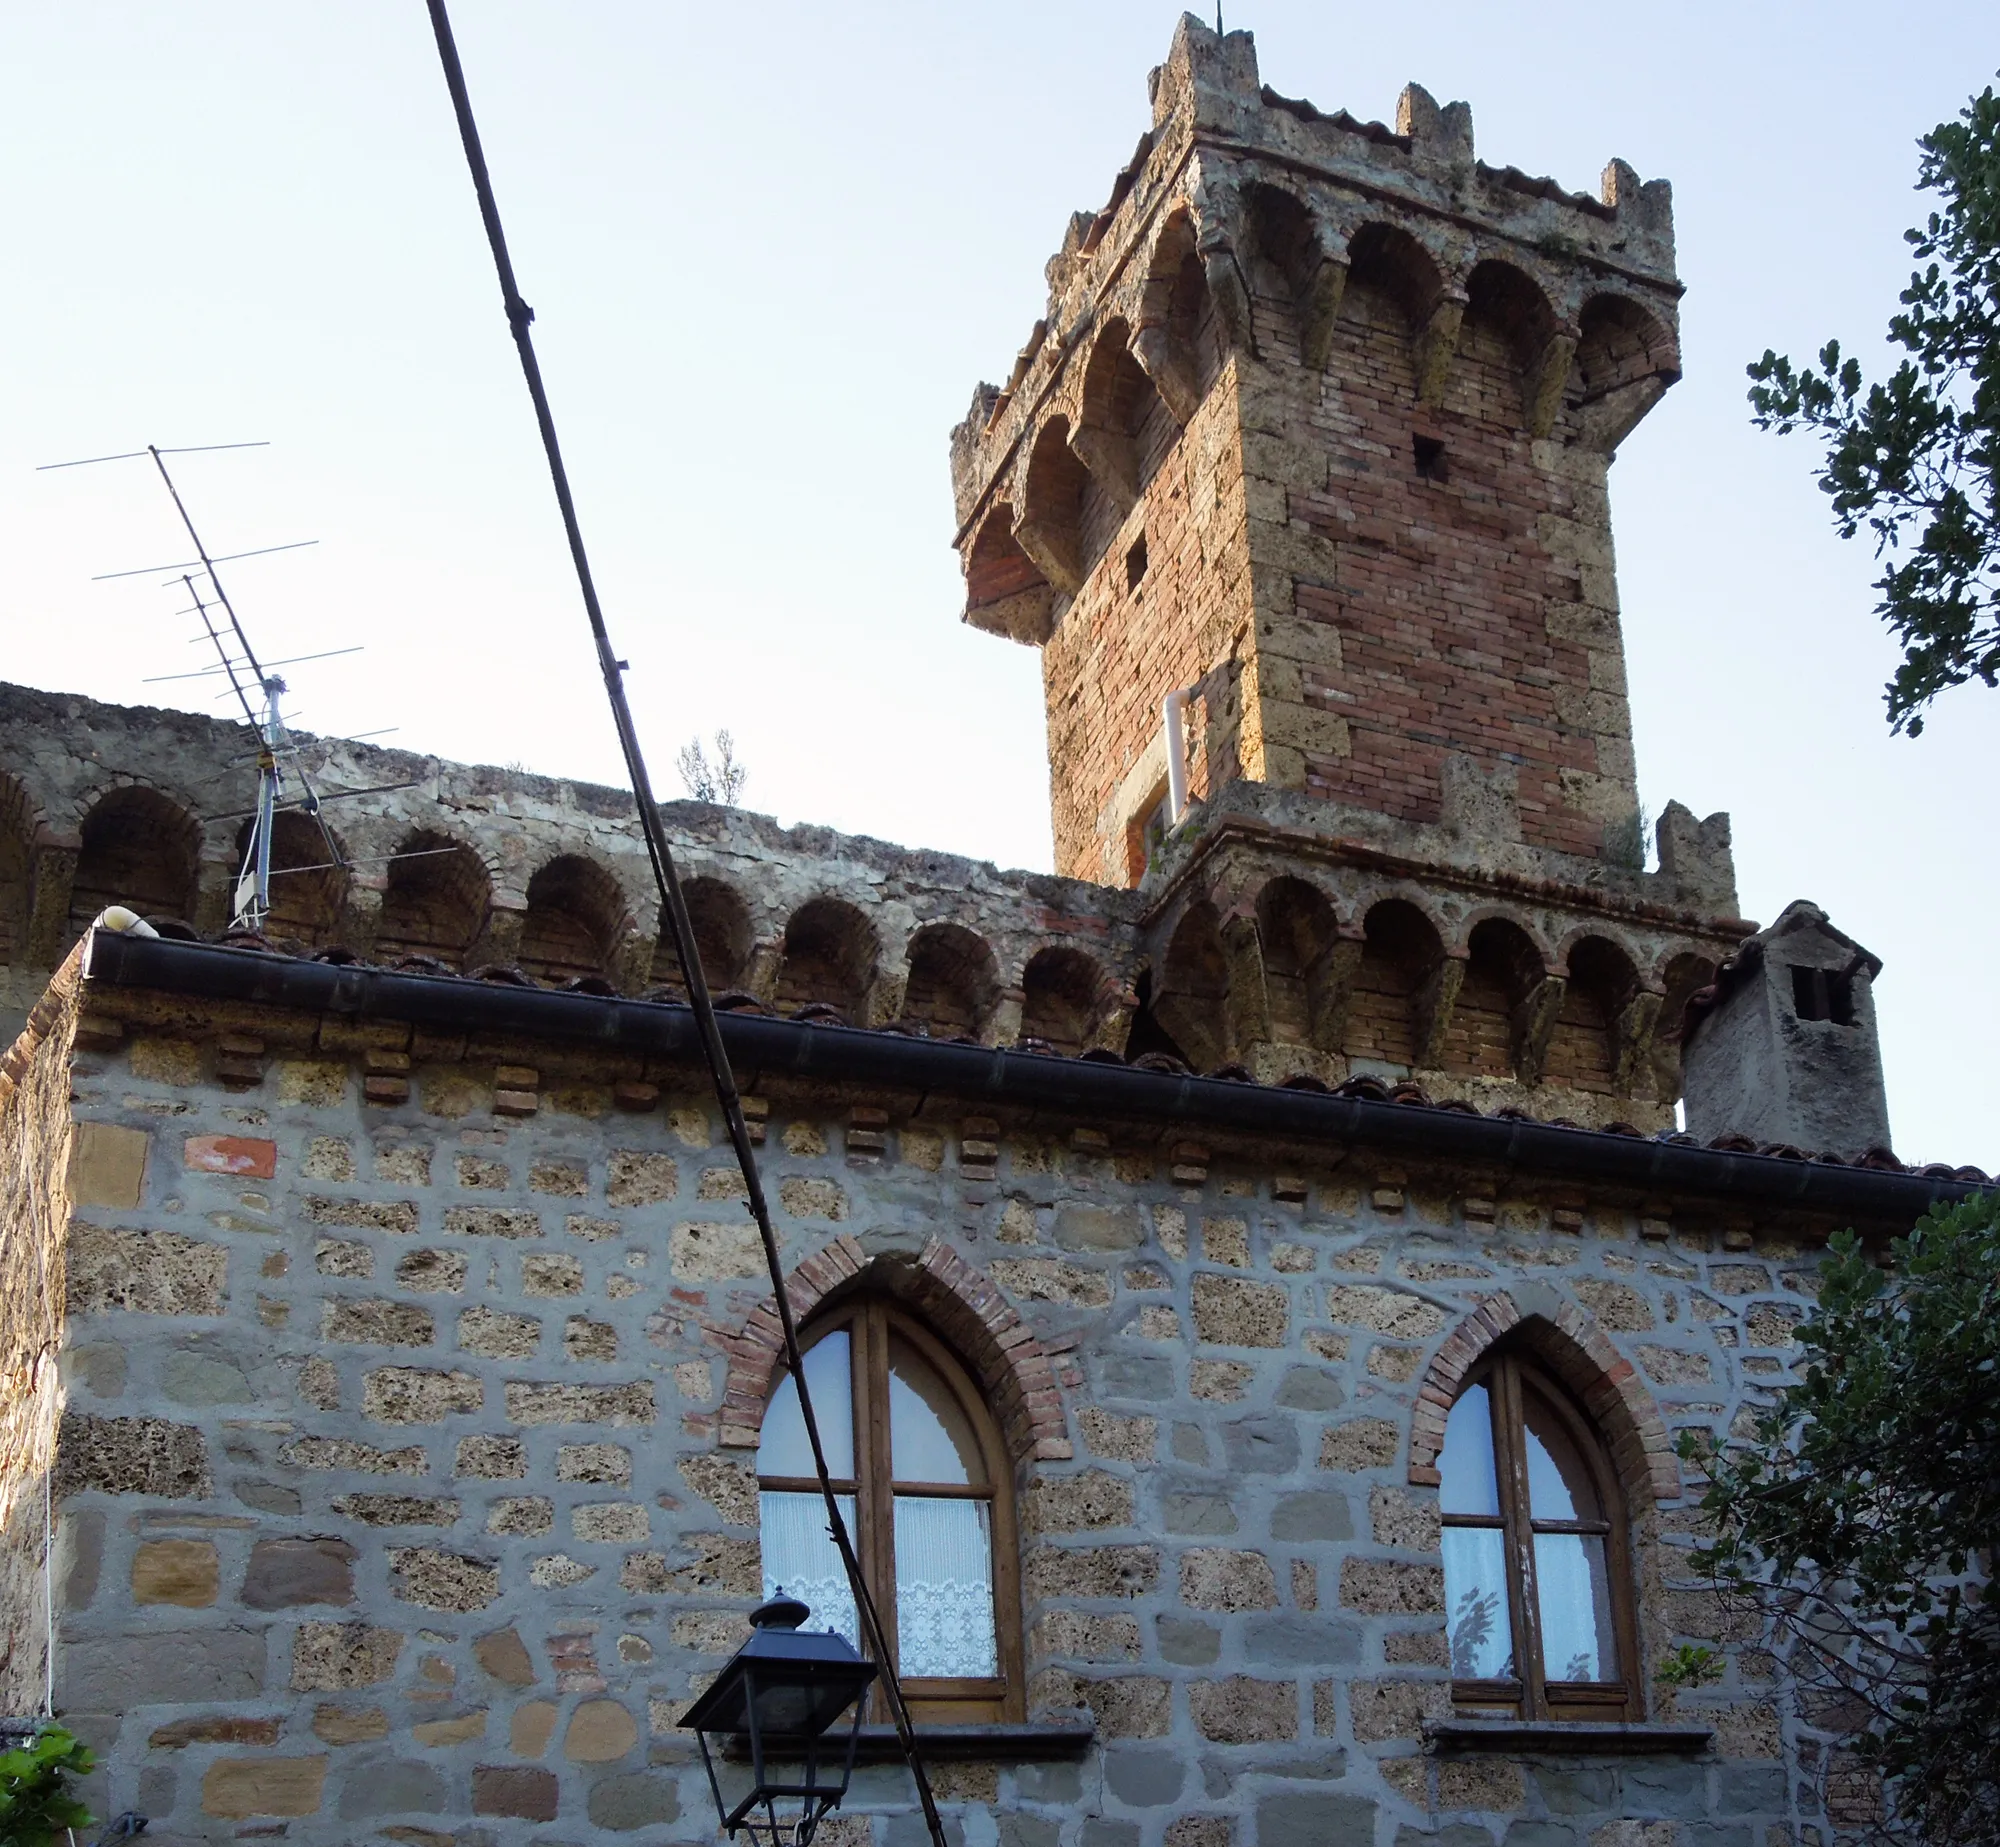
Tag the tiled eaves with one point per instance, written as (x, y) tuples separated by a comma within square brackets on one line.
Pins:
[(1877, 1191)]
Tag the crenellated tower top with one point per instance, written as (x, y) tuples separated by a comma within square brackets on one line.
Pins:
[(1315, 429)]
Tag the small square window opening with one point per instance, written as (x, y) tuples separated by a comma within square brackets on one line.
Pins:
[(1432, 462), (1135, 563)]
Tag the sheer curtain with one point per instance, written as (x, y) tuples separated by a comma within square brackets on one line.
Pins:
[(801, 1559), (944, 1588)]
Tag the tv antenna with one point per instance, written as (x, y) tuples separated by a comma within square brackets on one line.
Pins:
[(256, 686)]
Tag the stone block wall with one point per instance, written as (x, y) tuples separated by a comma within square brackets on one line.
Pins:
[(37, 1147), (407, 1484)]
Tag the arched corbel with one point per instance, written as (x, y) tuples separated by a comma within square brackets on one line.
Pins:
[(1330, 990), (1535, 1025), (1548, 380), (1436, 1001), (1437, 343), (1246, 998), (1319, 307), (1153, 348), (1633, 1039), (1111, 460), (1231, 293)]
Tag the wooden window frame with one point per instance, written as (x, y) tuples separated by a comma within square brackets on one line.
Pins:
[(869, 1322), (1508, 1376)]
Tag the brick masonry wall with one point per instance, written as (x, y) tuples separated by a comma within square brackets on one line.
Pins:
[(405, 1495)]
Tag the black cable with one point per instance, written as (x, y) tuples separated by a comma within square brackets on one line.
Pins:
[(519, 317)]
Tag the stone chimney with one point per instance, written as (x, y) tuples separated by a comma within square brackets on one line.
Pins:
[(1783, 1047)]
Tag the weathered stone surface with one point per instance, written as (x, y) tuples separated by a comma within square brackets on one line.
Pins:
[(1215, 1578), (492, 1222), (624, 1804), (432, 1272), (1360, 1443), (1077, 1503), (107, 1165), (1081, 1227), (641, 1179), (177, 1571), (144, 1272), (1313, 1515), (1314, 1818), (377, 1323), (438, 1580), (1618, 1307), (1386, 1587), (236, 1788), (521, 1514), (1050, 1279), (600, 1732), (1242, 1710), (617, 1405), (611, 1462), (344, 1453), (1387, 1311), (331, 1657), (1385, 1709), (396, 1509), (397, 1787), (505, 1789), (491, 1458), (503, 1655), (700, 1253), (1231, 1311), (1092, 1571), (131, 1455), (161, 1666), (417, 1395), (284, 1573), (214, 1729), (729, 1487), (495, 1335)]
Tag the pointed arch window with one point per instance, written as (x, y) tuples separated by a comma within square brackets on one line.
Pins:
[(1536, 1567), (922, 1476)]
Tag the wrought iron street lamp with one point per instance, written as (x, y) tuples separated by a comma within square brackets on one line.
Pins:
[(781, 1696)]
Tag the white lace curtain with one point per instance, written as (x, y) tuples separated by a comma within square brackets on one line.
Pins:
[(944, 1578)]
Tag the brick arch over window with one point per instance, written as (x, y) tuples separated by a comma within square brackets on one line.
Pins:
[(1573, 1347), (965, 1307)]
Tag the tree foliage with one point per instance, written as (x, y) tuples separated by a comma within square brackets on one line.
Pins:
[(1863, 1515), (36, 1807), (1914, 458), (720, 780)]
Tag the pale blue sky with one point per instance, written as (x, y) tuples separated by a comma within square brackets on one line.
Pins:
[(772, 249)]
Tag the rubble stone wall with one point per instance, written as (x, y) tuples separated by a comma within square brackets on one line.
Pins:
[(407, 1483)]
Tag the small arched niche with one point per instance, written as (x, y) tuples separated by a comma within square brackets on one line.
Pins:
[(1190, 1002), (1063, 999), (1050, 529), (435, 901), (829, 957), (1005, 590), (1296, 925), (1626, 357), (307, 886), (575, 919), (1583, 1049), (1400, 954), (722, 938), (1503, 968), (953, 981), (141, 850), (1119, 401), (1509, 323)]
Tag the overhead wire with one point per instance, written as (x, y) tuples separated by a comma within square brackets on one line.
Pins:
[(519, 318)]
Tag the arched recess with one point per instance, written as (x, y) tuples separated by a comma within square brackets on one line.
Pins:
[(829, 956), (307, 891), (1684, 977), (435, 902), (1626, 357), (1050, 526), (1005, 591), (1300, 935), (141, 850), (1489, 1019), (1313, 279), (576, 916), (1584, 1048), (964, 1305), (1118, 401), (1572, 1346), (722, 938), (1065, 996), (16, 868), (1508, 307), (953, 983), (1191, 999), (1397, 299), (1175, 337), (1388, 1017)]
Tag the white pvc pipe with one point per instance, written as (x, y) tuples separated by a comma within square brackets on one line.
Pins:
[(1173, 709)]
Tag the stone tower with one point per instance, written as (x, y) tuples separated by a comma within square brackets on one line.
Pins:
[(1311, 446), (1317, 424)]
